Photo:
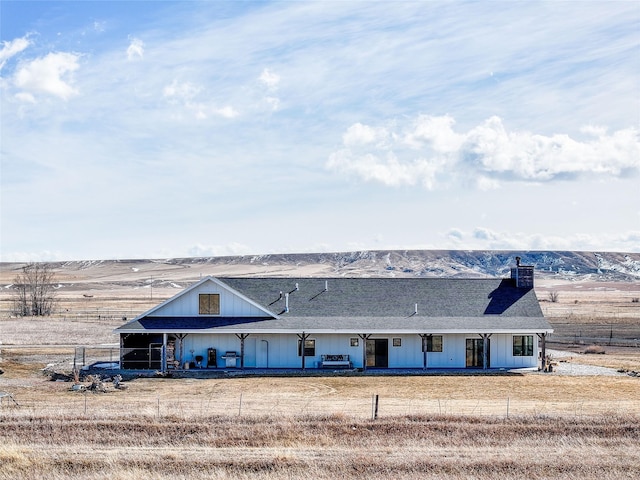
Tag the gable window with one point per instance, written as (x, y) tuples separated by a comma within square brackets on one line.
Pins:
[(432, 343), (209, 304), (309, 347), (523, 345)]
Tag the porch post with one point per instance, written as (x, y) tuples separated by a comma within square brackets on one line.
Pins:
[(181, 337), (303, 339), (364, 337), (121, 351), (163, 358), (484, 351), (543, 346), (424, 337), (485, 344), (242, 336)]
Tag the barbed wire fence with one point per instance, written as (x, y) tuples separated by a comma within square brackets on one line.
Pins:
[(154, 406)]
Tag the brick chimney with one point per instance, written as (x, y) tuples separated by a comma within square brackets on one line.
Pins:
[(522, 274)]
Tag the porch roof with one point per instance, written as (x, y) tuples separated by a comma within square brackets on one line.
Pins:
[(338, 325)]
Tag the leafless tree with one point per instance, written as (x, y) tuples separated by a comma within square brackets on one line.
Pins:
[(554, 296), (33, 290)]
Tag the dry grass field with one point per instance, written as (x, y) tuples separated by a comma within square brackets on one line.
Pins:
[(462, 426), (436, 426), (454, 426), (322, 447)]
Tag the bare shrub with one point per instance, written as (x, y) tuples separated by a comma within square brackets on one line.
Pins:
[(594, 349), (34, 294), (554, 296)]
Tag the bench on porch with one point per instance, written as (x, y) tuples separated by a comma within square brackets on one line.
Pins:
[(335, 361)]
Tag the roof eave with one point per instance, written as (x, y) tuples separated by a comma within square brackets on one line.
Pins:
[(318, 331)]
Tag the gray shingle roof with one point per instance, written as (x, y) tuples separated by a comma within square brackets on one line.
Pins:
[(390, 297), (371, 305)]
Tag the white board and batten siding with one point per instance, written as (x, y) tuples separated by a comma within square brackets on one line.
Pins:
[(278, 350), (453, 353), (281, 350)]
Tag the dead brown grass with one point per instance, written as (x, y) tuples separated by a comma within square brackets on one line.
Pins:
[(324, 447)]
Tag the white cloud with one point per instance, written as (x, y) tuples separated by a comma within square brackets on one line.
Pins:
[(9, 49), (484, 234), (269, 79), (455, 234), (525, 156), (437, 132), (135, 50), (230, 249), (186, 93), (482, 238), (226, 112), (25, 257), (386, 169), (181, 90), (430, 152), (360, 135), (48, 74), (25, 97)]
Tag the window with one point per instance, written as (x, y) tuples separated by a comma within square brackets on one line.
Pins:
[(397, 342), (432, 343), (309, 348), (523, 345), (354, 342), (209, 304)]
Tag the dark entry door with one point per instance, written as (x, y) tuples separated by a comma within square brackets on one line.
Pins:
[(378, 352), (475, 353)]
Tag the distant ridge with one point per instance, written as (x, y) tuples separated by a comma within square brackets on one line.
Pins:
[(594, 266), (604, 266)]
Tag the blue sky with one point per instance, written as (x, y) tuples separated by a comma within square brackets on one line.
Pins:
[(171, 129)]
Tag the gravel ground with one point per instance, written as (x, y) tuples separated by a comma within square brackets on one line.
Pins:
[(571, 368)]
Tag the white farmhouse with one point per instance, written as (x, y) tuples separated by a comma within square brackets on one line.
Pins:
[(304, 323)]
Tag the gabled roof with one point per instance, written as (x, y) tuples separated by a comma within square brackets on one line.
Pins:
[(364, 305), (158, 308)]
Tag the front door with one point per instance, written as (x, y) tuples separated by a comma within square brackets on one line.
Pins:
[(262, 358), (378, 352), (250, 352), (475, 353)]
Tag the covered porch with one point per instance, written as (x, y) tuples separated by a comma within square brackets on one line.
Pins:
[(304, 350)]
